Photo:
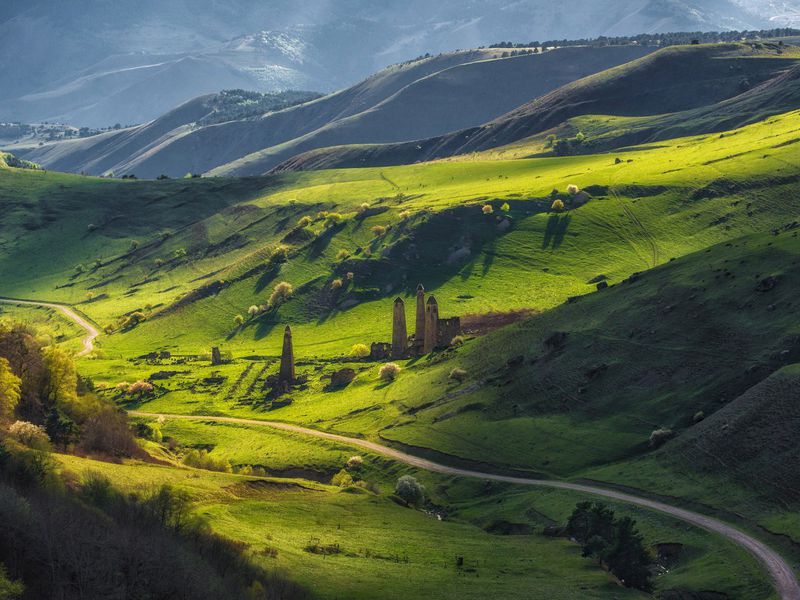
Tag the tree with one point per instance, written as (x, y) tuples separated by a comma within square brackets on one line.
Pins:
[(10, 386), (359, 351), (61, 388), (487, 209), (280, 294), (627, 557), (558, 206), (389, 372), (410, 490)]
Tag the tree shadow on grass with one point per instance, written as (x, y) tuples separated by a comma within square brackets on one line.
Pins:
[(557, 226)]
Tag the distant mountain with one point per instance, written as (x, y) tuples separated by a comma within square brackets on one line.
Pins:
[(422, 98), (96, 62)]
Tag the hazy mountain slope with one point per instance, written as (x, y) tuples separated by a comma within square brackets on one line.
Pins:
[(466, 95), (419, 99), (281, 44), (207, 147), (733, 81)]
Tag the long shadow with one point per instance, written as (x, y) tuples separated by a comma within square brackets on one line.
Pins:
[(557, 226), (488, 256), (323, 240)]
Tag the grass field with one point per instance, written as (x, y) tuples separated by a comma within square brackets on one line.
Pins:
[(686, 232)]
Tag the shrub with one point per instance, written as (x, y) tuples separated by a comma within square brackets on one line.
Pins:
[(280, 294), (280, 254), (660, 437), (342, 479), (558, 206), (364, 207), (141, 388), (133, 319), (378, 230), (238, 320), (332, 219), (304, 221), (200, 459), (9, 590), (459, 375), (506, 207), (550, 141), (355, 462), (389, 372), (350, 276), (405, 214), (253, 310), (337, 284), (122, 387), (359, 351), (30, 435), (572, 189), (488, 209), (107, 432), (580, 137), (410, 490), (342, 255)]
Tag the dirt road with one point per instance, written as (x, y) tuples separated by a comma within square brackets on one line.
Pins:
[(91, 331), (783, 577)]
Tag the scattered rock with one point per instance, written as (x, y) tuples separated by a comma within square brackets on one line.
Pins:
[(342, 378), (602, 286), (767, 284)]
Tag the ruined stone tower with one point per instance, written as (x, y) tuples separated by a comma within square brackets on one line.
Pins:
[(286, 376), (431, 325), (419, 332), (399, 330)]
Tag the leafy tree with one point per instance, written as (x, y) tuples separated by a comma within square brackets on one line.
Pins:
[(62, 382), (10, 386), (410, 490)]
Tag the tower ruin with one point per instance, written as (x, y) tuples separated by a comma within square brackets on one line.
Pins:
[(419, 333), (286, 375), (399, 330), (431, 339)]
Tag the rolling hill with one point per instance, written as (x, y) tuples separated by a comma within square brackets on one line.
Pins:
[(426, 97), (729, 85), (639, 335)]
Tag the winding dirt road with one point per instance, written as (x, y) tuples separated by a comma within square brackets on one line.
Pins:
[(91, 331), (783, 577)]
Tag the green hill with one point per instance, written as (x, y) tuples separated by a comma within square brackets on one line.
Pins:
[(421, 98), (655, 98)]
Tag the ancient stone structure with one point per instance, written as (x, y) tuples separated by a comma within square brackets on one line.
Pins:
[(286, 375), (380, 351), (431, 339), (419, 332), (399, 330), (216, 356), (447, 330)]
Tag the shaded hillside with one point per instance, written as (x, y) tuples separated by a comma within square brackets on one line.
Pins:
[(727, 85), (461, 96), (423, 98)]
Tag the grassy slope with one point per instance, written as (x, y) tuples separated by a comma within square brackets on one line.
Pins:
[(372, 530), (729, 85), (652, 212)]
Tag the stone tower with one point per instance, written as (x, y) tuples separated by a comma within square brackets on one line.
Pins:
[(419, 333), (431, 325), (399, 330), (286, 376)]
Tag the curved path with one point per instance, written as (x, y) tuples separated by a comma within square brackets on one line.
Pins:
[(91, 331), (783, 577)]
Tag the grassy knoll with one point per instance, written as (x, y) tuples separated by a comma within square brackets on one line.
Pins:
[(403, 550)]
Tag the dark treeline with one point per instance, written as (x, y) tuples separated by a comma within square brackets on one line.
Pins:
[(678, 38)]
